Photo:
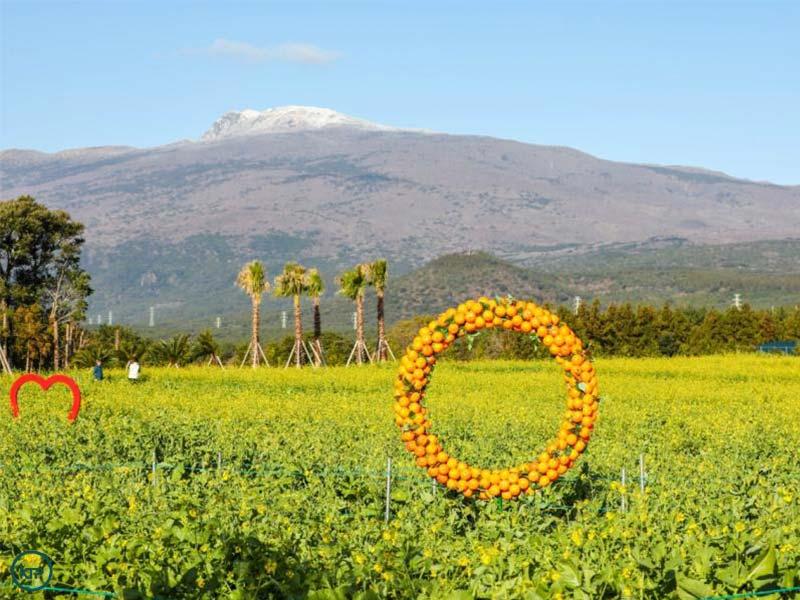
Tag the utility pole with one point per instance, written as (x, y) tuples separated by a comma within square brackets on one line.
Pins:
[(283, 320), (355, 321), (577, 304), (152, 316), (737, 301), (99, 319), (219, 322), (110, 317)]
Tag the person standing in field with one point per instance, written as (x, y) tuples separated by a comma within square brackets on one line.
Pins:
[(97, 371), (133, 370)]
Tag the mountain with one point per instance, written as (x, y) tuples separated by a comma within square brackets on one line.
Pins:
[(283, 119), (169, 226), (681, 273), (765, 273)]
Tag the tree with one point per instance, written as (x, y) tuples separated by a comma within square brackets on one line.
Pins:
[(66, 293), (352, 284), (30, 335), (252, 279), (131, 349), (645, 331), (591, 324), (293, 283), (672, 331), (704, 338), (206, 347), (88, 356), (316, 287), (174, 352), (377, 279), (791, 328), (39, 249)]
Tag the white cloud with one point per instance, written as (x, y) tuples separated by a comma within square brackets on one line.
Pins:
[(292, 52)]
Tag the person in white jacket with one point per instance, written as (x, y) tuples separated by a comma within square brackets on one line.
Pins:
[(133, 371)]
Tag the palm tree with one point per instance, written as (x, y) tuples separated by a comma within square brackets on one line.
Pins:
[(316, 287), (205, 346), (252, 279), (130, 350), (293, 282), (377, 279), (87, 357), (175, 352), (352, 284)]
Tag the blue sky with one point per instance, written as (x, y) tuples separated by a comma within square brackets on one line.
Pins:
[(712, 84)]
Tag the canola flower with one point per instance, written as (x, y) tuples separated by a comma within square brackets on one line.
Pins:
[(302, 508)]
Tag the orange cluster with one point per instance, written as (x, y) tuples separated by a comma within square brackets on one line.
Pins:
[(416, 369)]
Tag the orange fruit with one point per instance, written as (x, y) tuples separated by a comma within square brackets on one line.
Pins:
[(562, 450)]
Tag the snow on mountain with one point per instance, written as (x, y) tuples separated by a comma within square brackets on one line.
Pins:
[(283, 119)]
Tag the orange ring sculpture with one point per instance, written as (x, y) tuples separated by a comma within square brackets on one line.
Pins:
[(415, 372)]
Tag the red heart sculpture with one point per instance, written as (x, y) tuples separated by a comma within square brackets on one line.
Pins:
[(45, 385)]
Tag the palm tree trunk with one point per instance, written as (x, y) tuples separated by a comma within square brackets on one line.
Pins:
[(298, 332), (6, 333), (359, 328), (67, 343), (317, 330), (254, 343), (56, 353), (381, 328)]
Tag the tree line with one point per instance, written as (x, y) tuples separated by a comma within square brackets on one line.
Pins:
[(614, 330), (44, 291), (297, 281), (638, 331)]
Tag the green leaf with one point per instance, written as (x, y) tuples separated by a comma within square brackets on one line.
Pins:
[(691, 589), (702, 560), (460, 595), (569, 576), (71, 516), (327, 595), (764, 567), (732, 575), (470, 340), (399, 495), (539, 593)]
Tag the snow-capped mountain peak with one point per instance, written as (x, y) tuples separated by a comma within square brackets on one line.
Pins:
[(282, 119)]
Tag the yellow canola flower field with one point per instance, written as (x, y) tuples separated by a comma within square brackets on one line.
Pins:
[(271, 483)]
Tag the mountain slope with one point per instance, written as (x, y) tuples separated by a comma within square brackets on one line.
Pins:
[(450, 279), (678, 273), (301, 184)]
